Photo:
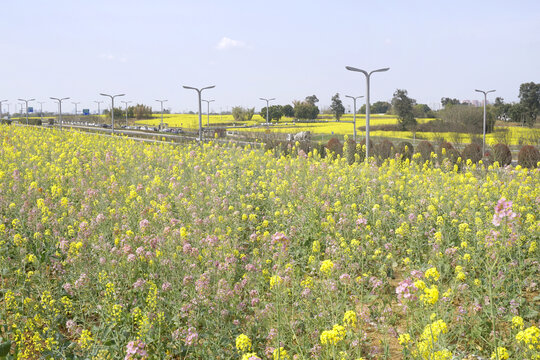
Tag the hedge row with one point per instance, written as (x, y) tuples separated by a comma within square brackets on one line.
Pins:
[(528, 156)]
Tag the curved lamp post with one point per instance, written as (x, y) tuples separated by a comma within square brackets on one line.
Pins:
[(199, 91), (2, 101), (354, 114), (112, 107), (126, 104), (60, 108), (208, 111), (161, 101), (267, 107), (26, 102), (98, 107), (368, 75), (484, 127)]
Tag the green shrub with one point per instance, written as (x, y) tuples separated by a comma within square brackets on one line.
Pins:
[(502, 154), (425, 149), (405, 150), (447, 151), (349, 150), (335, 146), (472, 152), (361, 151), (528, 157), (383, 150)]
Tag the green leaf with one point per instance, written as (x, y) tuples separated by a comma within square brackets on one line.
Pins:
[(531, 314), (4, 348)]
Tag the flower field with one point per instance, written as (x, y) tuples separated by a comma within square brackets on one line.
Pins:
[(512, 135), (191, 121), (117, 249)]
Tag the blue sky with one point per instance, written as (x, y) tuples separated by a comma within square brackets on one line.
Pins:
[(251, 49)]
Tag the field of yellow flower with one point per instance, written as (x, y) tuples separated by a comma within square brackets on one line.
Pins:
[(117, 249), (511, 135), (191, 121)]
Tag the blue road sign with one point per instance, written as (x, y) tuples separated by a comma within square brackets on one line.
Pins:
[(30, 109), (86, 111)]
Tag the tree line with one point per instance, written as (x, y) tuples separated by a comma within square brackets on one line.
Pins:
[(454, 116)]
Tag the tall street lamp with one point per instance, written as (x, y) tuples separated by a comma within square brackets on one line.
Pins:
[(40, 109), (98, 107), (208, 111), (368, 75), (76, 112), (200, 118), (26, 103), (161, 101), (354, 114), (2, 101), (126, 104), (267, 107), (484, 127), (60, 109), (112, 107)]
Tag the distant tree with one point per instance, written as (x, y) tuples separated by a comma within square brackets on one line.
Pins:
[(445, 101), (529, 98), (118, 112), (402, 106), (288, 110), (249, 113), (312, 99), (305, 111), (241, 114), (517, 112), (139, 111), (501, 110), (380, 107), (467, 118), (275, 112), (422, 111), (337, 106)]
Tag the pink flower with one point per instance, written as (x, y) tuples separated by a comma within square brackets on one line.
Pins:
[(166, 286), (143, 224), (134, 349), (191, 337), (345, 278)]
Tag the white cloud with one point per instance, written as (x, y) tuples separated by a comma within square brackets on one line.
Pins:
[(227, 43)]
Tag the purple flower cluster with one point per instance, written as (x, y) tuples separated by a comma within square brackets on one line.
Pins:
[(503, 209)]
